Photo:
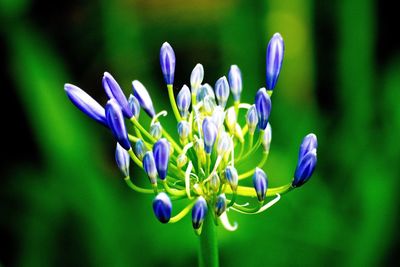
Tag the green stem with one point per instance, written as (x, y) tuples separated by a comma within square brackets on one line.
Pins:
[(208, 252), (173, 103)]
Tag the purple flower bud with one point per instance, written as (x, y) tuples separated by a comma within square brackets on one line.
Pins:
[(199, 212), (140, 92), (263, 106), (210, 132), (162, 207), (274, 60), (196, 78), (161, 157), (140, 149), (167, 61), (149, 167), (222, 91), (122, 158), (260, 183), (115, 121), (232, 177), (252, 119), (86, 103), (308, 144), (134, 106), (235, 82), (113, 90), (305, 168), (183, 101), (220, 205)]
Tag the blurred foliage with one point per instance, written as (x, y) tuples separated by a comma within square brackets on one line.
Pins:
[(63, 205)]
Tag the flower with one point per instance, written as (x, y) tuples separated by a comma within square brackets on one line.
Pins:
[(162, 207), (235, 82), (199, 212), (141, 94), (122, 159), (161, 157), (263, 106), (113, 90), (167, 61), (116, 123), (307, 160), (260, 183), (274, 60), (86, 103), (215, 153)]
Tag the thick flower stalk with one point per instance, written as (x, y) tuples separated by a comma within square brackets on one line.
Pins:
[(210, 162)]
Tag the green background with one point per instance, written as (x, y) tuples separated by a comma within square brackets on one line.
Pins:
[(62, 200)]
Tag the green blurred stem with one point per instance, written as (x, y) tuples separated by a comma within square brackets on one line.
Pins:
[(208, 250)]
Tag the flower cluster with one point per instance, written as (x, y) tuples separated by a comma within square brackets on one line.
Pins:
[(216, 147)]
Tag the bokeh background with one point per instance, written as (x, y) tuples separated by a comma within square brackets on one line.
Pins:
[(62, 200)]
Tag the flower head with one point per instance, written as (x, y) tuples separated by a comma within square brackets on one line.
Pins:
[(218, 152)]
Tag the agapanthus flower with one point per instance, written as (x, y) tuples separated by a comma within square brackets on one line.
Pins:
[(212, 152)]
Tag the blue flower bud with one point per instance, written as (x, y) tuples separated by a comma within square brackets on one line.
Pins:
[(183, 101), (305, 168), (210, 132), (167, 61), (196, 78), (266, 141), (140, 149), (274, 60), (232, 177), (260, 183), (263, 106), (222, 91), (161, 157), (308, 144), (156, 130), (122, 158), (220, 205), (140, 92), (162, 207), (86, 103), (183, 130), (115, 121), (235, 82), (252, 119), (134, 106), (149, 167), (113, 90), (199, 212)]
